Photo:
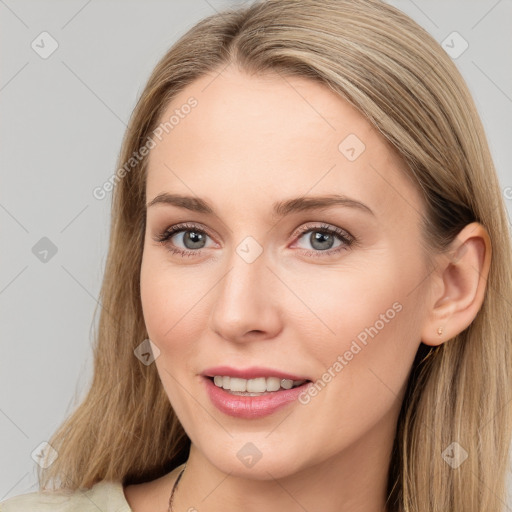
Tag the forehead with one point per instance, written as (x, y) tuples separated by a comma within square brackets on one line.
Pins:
[(259, 139)]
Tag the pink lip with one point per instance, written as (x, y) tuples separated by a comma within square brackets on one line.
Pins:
[(251, 407), (249, 373)]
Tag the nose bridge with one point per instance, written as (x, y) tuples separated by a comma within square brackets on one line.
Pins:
[(243, 302)]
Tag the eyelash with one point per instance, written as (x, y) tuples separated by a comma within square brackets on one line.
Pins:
[(345, 237)]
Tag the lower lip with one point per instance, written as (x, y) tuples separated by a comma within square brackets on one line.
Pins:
[(245, 406)]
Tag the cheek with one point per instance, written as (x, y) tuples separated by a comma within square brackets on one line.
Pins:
[(172, 304), (343, 304), (171, 308), (366, 323)]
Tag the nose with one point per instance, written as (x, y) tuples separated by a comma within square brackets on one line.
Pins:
[(245, 301)]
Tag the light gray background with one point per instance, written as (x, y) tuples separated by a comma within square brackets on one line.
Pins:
[(63, 119)]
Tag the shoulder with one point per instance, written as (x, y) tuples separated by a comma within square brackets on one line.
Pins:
[(105, 495)]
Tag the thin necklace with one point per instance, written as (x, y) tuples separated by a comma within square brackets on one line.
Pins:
[(174, 487)]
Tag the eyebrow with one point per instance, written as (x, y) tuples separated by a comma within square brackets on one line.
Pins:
[(280, 208)]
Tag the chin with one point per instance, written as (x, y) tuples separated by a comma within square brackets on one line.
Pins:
[(254, 457)]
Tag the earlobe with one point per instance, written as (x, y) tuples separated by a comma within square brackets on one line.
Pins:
[(461, 275)]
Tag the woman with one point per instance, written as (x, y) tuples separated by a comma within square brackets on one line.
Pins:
[(306, 303)]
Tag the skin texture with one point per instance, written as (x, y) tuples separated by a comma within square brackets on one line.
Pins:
[(249, 142)]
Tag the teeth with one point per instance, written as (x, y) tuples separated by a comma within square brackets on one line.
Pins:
[(257, 385)]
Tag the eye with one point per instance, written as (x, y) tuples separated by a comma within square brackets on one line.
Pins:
[(323, 238), (190, 235)]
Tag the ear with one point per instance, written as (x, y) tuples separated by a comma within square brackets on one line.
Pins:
[(459, 284)]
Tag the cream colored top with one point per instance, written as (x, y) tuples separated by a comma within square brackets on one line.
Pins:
[(104, 496)]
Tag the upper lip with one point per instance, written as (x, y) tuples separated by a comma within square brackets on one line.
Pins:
[(250, 373)]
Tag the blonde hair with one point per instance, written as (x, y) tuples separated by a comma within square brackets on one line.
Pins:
[(398, 76)]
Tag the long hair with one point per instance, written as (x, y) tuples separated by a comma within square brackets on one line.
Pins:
[(390, 69)]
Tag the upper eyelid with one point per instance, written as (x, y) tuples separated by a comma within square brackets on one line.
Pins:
[(297, 232), (179, 227), (324, 227)]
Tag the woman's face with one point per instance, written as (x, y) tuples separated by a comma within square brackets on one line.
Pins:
[(306, 263)]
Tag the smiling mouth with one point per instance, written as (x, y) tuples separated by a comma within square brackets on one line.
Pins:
[(255, 387)]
